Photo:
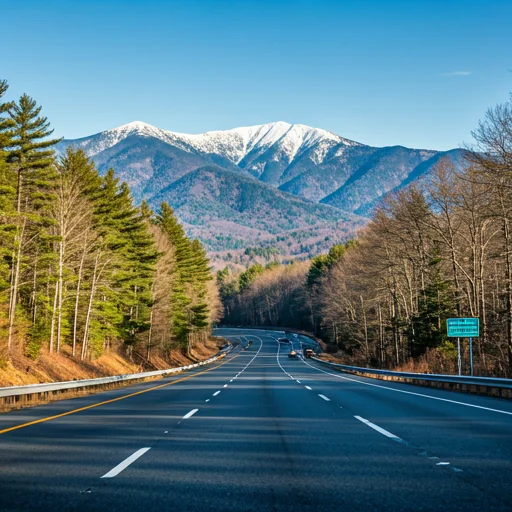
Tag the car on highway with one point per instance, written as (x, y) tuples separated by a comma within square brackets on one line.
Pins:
[(292, 354), (308, 352)]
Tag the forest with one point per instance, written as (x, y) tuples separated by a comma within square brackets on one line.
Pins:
[(82, 268), (428, 253)]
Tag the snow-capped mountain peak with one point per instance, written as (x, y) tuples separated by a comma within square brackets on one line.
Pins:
[(287, 140)]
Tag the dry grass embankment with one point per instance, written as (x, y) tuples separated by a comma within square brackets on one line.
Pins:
[(20, 370)]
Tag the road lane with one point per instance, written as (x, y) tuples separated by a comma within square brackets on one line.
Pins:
[(70, 449), (476, 441), (264, 443), (268, 444)]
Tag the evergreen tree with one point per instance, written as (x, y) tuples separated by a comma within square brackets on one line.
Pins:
[(121, 300), (6, 123), (200, 309), (146, 211), (247, 277), (190, 309), (180, 300), (7, 193), (436, 303), (32, 159)]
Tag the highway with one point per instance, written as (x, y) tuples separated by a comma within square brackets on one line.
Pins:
[(258, 431)]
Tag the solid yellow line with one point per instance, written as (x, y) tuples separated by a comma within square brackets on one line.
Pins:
[(42, 420)]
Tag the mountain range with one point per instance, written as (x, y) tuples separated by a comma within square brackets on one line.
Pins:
[(289, 186)]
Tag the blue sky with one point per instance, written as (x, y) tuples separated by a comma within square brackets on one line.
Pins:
[(415, 73)]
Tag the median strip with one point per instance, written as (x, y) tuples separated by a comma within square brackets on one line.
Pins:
[(126, 462)]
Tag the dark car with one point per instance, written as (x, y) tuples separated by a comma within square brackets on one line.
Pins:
[(308, 352), (283, 340)]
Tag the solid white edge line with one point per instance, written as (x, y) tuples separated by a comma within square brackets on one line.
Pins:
[(325, 398), (377, 428), (189, 414), (410, 392), (126, 462), (216, 393)]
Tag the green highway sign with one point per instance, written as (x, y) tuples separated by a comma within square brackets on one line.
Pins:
[(463, 327)]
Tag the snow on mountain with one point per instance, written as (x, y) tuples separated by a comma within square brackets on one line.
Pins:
[(220, 178), (288, 140)]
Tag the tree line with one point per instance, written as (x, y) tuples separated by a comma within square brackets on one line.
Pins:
[(82, 267), (428, 253)]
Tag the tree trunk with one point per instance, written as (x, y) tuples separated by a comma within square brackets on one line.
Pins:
[(60, 298), (89, 307), (508, 284), (77, 299), (14, 289), (149, 334), (54, 314)]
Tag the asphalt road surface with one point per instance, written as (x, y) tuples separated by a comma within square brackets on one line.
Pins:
[(259, 431)]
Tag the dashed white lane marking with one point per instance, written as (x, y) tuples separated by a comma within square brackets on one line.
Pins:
[(298, 381), (411, 392), (443, 464), (377, 428), (216, 393), (225, 385), (231, 380), (324, 398), (189, 414), (207, 400), (307, 387), (126, 462)]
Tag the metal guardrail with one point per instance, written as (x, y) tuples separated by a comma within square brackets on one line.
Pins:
[(31, 389), (467, 380)]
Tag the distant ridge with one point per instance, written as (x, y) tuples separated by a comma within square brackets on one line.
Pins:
[(297, 164)]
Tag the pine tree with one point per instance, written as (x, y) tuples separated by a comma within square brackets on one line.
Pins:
[(7, 206), (122, 274), (436, 303), (7, 191), (200, 310), (32, 159), (180, 299)]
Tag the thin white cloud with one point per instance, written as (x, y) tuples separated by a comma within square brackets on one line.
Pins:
[(457, 73)]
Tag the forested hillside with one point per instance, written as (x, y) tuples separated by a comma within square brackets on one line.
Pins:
[(82, 269), (289, 186), (427, 254)]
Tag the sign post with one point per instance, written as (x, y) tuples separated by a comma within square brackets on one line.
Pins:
[(459, 359), (471, 356), (464, 328)]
